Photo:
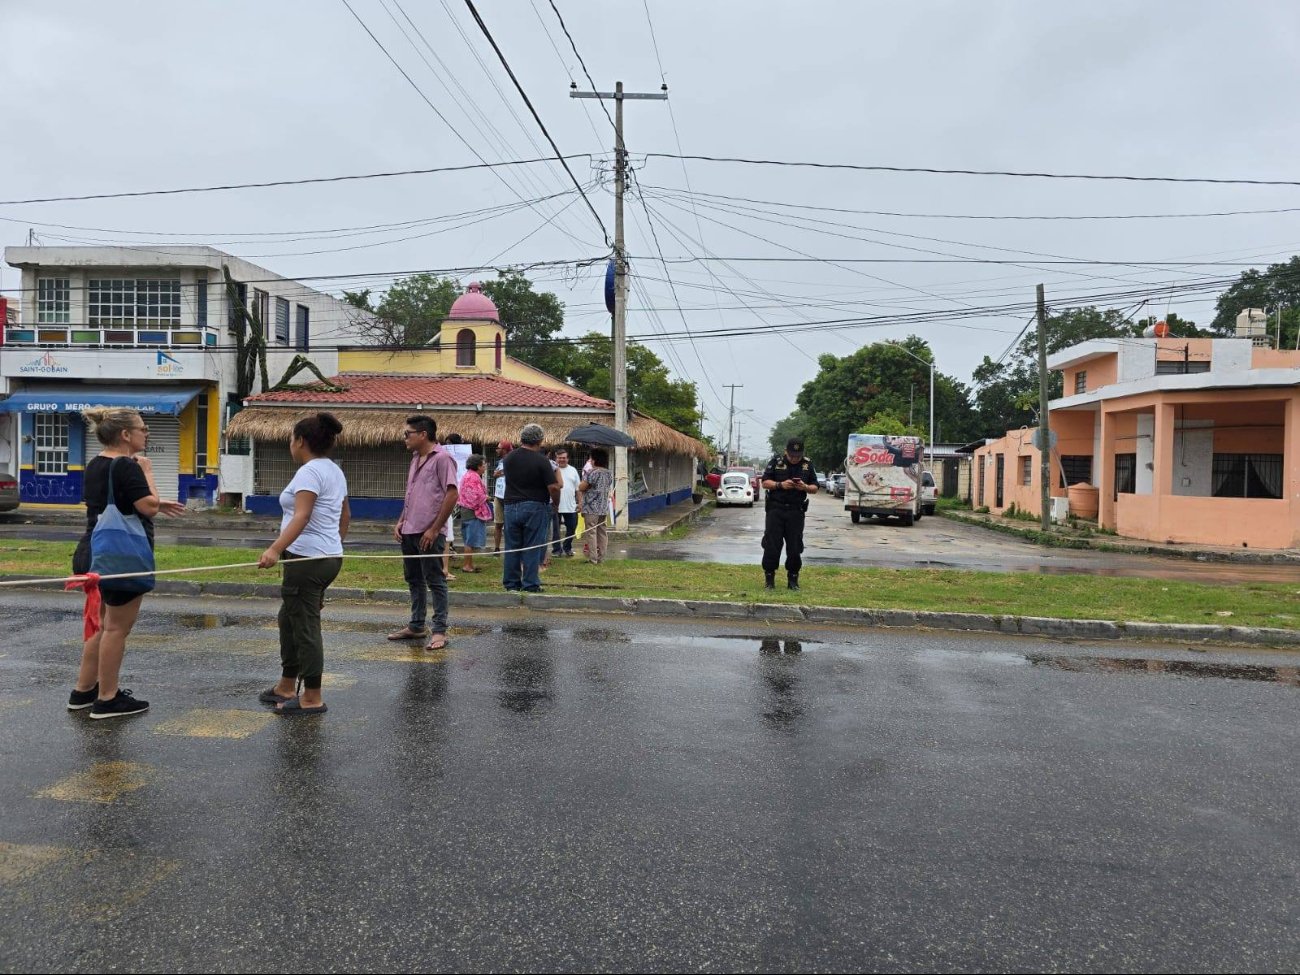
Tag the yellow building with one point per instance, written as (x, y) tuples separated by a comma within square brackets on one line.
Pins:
[(472, 342)]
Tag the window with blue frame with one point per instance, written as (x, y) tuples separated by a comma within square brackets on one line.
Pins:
[(302, 339), (281, 322)]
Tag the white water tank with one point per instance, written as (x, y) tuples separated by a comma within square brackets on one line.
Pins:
[(1252, 323)]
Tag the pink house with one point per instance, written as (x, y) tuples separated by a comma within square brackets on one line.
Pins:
[(1183, 440)]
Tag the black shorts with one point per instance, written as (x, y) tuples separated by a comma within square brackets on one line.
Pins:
[(81, 565)]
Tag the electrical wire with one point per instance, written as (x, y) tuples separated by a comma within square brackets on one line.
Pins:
[(979, 216), (222, 187), (875, 168), (528, 101)]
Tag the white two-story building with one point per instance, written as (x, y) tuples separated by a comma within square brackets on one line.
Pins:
[(151, 329)]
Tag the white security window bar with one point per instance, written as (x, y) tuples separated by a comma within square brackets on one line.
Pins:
[(51, 443), (53, 301)]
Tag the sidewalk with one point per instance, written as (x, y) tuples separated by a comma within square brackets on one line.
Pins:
[(1063, 536)]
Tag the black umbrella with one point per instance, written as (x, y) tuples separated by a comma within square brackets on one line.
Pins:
[(599, 435)]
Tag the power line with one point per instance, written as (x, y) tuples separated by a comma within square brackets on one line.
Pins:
[(977, 216), (863, 167), (465, 101), (528, 101), (583, 64), (483, 164), (521, 267), (425, 98)]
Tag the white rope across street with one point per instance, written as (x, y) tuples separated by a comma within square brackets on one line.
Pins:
[(63, 580)]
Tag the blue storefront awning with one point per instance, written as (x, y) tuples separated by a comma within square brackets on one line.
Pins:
[(162, 401)]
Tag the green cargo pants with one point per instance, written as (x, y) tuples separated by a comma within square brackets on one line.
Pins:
[(302, 594)]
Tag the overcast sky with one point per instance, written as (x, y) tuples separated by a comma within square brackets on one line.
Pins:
[(103, 98)]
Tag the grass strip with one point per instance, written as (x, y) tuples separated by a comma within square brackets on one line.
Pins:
[(943, 590)]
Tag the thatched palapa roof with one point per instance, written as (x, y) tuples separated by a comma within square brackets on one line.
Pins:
[(485, 410), (383, 427)]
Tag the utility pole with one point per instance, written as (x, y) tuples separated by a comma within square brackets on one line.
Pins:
[(1044, 424), (619, 364), (731, 416)]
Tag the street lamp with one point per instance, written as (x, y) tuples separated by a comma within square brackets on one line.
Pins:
[(930, 363)]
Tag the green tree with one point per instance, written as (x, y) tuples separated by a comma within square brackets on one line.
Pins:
[(417, 307), (651, 388), (532, 319), (794, 425), (879, 381), (1277, 286)]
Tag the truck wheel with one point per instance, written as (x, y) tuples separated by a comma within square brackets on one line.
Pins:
[(856, 516), (908, 519)]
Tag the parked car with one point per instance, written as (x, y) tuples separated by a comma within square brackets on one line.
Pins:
[(8, 492), (821, 480), (714, 478), (736, 488), (929, 493), (837, 485)]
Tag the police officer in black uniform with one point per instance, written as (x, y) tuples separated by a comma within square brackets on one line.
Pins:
[(789, 479)]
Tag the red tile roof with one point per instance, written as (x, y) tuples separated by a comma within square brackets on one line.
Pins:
[(469, 391)]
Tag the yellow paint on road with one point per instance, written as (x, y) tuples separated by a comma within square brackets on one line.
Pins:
[(209, 723), (338, 681), (20, 862), (103, 782), (397, 653)]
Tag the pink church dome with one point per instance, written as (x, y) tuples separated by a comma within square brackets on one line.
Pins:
[(474, 306)]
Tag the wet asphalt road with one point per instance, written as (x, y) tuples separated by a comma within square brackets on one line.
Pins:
[(734, 535), (613, 794)]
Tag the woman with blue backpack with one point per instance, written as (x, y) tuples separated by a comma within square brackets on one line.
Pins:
[(120, 478)]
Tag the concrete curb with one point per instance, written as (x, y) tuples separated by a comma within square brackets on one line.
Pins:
[(1113, 543), (699, 609)]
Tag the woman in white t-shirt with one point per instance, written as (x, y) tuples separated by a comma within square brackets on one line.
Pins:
[(312, 529)]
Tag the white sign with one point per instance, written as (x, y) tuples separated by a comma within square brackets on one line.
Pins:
[(188, 364)]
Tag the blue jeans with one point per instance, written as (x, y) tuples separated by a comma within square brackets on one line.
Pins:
[(528, 526)]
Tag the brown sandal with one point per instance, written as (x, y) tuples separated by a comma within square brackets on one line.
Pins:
[(406, 633), (435, 645)]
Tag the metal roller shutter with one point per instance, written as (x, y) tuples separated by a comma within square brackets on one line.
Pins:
[(165, 453)]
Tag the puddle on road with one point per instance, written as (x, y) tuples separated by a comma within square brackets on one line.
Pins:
[(601, 636), (764, 639), (1175, 668)]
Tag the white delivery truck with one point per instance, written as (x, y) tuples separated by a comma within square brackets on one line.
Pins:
[(883, 477)]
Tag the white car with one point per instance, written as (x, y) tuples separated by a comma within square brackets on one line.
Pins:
[(928, 493), (736, 487)]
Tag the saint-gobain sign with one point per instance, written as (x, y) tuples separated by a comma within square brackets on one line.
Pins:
[(45, 365)]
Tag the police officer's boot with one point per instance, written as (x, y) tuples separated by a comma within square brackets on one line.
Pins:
[(769, 580), (792, 580)]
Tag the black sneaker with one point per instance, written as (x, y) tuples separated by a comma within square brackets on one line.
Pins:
[(80, 700), (120, 706)]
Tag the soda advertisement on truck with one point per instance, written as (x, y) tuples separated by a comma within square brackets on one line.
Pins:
[(883, 477)]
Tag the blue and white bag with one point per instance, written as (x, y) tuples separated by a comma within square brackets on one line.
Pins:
[(119, 545)]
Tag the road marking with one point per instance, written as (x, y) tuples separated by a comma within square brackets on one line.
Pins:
[(209, 723), (113, 880), (338, 681), (400, 654), (21, 702), (103, 782), (19, 862)]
